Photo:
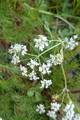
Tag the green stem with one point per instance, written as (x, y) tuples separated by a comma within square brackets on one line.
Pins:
[(49, 49), (54, 41), (65, 80), (40, 66), (51, 14), (32, 55)]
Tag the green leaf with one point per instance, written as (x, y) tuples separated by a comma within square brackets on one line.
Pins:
[(30, 93), (38, 96)]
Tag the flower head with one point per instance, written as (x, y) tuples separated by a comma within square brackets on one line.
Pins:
[(45, 83), (23, 50), (52, 114), (56, 59), (41, 42), (40, 109), (32, 63), (44, 69), (69, 111), (23, 70), (18, 48), (71, 43), (15, 59), (33, 76), (55, 106)]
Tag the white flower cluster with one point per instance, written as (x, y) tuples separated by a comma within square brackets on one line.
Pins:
[(15, 59), (52, 112), (23, 70), (32, 63), (40, 109), (56, 59), (68, 111), (54, 109), (41, 42), (70, 43), (45, 83), (45, 69), (33, 76), (55, 106), (16, 50)]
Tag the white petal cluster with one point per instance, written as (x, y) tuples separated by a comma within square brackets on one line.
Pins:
[(45, 69), (23, 70), (75, 117), (56, 59), (49, 63), (15, 59), (16, 50), (40, 109), (33, 76), (69, 111), (41, 42), (23, 50), (45, 83), (54, 109), (55, 106), (70, 43), (32, 63), (52, 114)]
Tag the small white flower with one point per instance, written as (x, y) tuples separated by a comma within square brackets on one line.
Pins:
[(69, 111), (69, 106), (56, 59), (55, 106), (52, 114), (45, 83), (69, 117), (18, 48), (49, 63), (40, 109), (44, 69), (41, 42), (32, 63), (53, 59), (15, 59), (23, 70), (33, 76), (71, 43), (23, 50)]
